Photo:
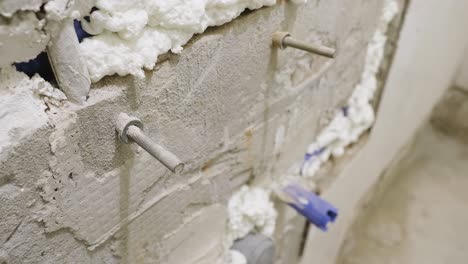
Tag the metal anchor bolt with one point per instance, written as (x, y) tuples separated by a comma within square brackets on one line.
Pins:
[(130, 130), (284, 39)]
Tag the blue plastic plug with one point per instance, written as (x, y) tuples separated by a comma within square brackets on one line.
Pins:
[(317, 211)]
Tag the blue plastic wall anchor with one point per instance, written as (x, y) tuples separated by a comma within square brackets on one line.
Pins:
[(317, 211)]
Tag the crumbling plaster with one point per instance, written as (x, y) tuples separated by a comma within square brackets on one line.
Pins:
[(10, 7), (22, 37), (72, 192)]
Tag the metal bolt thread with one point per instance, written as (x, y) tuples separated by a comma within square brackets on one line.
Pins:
[(167, 158), (313, 48)]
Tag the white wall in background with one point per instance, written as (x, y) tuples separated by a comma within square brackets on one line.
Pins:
[(462, 76), (432, 40)]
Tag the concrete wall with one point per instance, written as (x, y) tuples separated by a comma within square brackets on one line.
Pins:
[(431, 45), (229, 105)]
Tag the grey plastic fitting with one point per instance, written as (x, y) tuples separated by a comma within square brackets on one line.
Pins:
[(284, 39), (68, 66), (257, 248), (130, 130)]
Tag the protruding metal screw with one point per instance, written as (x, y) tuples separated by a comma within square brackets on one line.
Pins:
[(130, 130), (284, 39)]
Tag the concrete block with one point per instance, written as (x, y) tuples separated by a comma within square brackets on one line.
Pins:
[(231, 106)]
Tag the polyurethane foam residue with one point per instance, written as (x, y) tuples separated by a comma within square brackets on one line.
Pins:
[(130, 35), (23, 102), (251, 209)]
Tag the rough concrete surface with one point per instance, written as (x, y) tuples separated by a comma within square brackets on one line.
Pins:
[(421, 216), (73, 193)]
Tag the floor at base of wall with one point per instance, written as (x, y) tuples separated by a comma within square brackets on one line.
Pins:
[(422, 216)]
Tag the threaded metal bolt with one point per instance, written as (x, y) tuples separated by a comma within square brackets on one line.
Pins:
[(130, 130), (284, 39)]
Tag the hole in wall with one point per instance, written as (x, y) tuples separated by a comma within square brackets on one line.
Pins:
[(39, 65)]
